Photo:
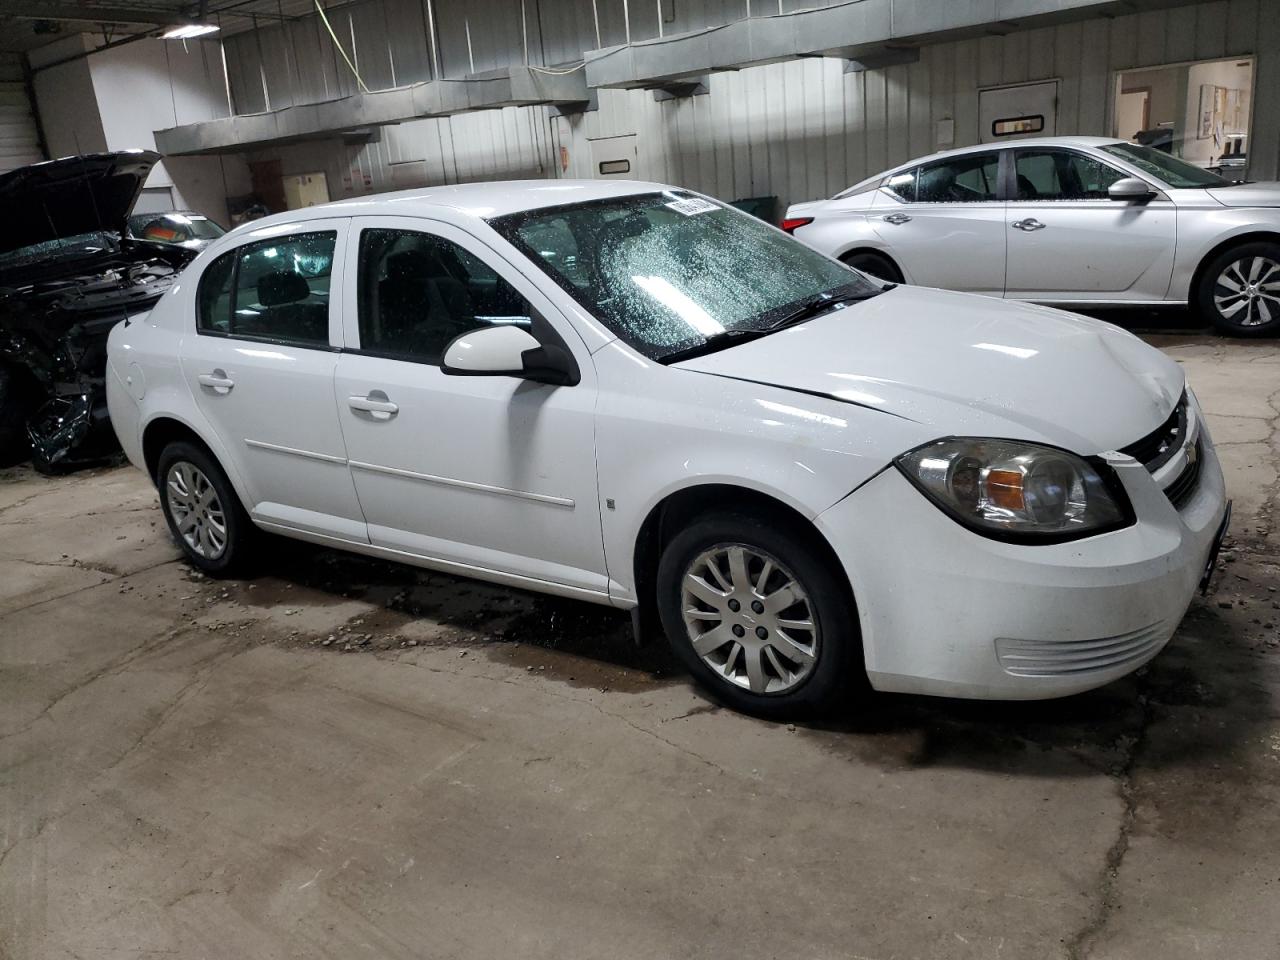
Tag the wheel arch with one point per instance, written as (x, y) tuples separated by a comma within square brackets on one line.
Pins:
[(846, 255), (1253, 235), (679, 506), (164, 429)]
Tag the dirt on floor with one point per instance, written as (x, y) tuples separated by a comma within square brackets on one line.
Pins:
[(345, 757)]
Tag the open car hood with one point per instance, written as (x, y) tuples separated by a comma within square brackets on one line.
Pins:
[(71, 196), (970, 366)]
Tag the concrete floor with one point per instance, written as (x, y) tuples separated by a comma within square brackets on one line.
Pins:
[(193, 769)]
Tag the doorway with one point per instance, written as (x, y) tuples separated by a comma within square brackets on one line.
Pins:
[(1022, 110)]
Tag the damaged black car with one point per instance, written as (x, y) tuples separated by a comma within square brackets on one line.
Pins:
[(68, 274)]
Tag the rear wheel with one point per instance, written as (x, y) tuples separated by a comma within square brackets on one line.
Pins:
[(203, 510), (1240, 290), (875, 264), (757, 614)]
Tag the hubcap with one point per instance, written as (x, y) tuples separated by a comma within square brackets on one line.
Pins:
[(1248, 291), (196, 510), (749, 619)]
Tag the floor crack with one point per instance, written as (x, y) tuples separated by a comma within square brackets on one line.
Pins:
[(1080, 945)]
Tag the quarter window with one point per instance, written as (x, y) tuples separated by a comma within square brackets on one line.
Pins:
[(1062, 175), (903, 185), (417, 292), (271, 290), (969, 178)]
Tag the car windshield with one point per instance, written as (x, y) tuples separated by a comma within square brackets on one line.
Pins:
[(668, 272), (173, 227), (1165, 167)]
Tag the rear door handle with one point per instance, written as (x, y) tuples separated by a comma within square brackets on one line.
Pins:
[(376, 405), (217, 381), (1030, 224), (897, 219)]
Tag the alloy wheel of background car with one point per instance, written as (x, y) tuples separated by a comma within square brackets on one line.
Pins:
[(203, 511), (760, 612), (749, 619), (1241, 290), (196, 509), (1248, 291)]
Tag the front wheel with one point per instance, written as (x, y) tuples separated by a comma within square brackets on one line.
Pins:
[(1240, 290), (758, 615), (203, 511)]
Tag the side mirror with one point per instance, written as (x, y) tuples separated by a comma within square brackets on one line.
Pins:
[(1130, 188), (508, 351)]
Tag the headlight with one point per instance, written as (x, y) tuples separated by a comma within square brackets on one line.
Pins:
[(1018, 491)]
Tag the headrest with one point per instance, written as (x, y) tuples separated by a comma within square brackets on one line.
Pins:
[(281, 287), (414, 265)]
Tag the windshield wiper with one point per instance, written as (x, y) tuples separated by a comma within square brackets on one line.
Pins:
[(821, 304), (807, 310), (713, 343)]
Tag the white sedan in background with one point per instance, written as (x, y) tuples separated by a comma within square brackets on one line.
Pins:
[(633, 395), (1069, 221)]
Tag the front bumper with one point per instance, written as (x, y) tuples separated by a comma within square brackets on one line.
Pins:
[(948, 612)]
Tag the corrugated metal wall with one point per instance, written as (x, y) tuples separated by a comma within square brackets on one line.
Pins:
[(795, 130), (19, 139), (805, 129)]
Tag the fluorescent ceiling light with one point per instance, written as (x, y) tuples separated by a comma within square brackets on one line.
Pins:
[(188, 31)]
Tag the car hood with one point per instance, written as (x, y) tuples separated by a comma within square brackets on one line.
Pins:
[(1248, 195), (970, 366), (71, 196)]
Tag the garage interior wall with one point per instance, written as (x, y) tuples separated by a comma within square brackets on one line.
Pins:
[(114, 99), (19, 135), (797, 130)]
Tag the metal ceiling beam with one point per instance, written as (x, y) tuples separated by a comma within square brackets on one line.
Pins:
[(72, 12)]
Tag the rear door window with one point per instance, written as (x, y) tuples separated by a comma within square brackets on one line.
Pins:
[(276, 290), (969, 178)]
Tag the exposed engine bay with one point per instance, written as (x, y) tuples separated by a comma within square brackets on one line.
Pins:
[(55, 329), (61, 292)]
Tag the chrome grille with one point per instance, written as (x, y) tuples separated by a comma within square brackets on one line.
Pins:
[(1184, 485), (1063, 658), (1159, 446)]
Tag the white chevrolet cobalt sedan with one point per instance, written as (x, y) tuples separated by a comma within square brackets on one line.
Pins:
[(1071, 221), (633, 395)]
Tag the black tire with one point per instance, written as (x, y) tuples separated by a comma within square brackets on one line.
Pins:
[(836, 669), (1215, 295), (17, 401), (875, 264), (238, 536)]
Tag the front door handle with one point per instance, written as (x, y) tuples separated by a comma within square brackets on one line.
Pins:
[(376, 405), (897, 219), (1028, 225), (217, 381)]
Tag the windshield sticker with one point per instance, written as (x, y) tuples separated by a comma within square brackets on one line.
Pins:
[(692, 205)]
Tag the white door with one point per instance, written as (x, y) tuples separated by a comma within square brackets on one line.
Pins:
[(1024, 110), (614, 158), (1069, 242), (943, 223), (261, 366), (489, 473)]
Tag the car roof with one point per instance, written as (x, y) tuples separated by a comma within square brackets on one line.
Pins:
[(1040, 142), (484, 200)]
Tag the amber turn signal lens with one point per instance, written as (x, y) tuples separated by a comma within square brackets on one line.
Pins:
[(1004, 489)]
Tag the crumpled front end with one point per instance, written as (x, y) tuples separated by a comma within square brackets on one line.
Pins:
[(53, 340)]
